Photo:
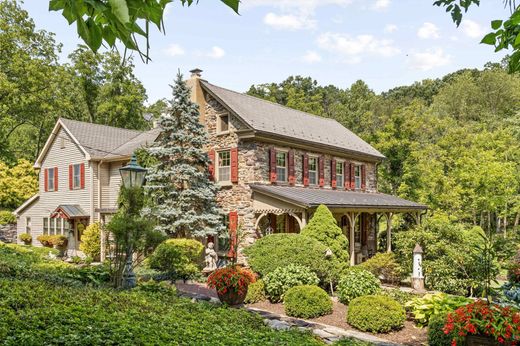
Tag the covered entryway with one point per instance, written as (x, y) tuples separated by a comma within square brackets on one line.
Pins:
[(74, 220)]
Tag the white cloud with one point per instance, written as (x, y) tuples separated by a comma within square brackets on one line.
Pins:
[(472, 29), (175, 50), (311, 57), (381, 5), (289, 21), (352, 47), (216, 52), (428, 30), (301, 5), (429, 59), (390, 28)]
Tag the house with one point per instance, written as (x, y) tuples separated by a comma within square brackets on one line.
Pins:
[(78, 178), (274, 165)]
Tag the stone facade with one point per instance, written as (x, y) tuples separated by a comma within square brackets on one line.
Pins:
[(8, 233)]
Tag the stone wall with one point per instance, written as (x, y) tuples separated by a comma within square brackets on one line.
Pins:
[(8, 232)]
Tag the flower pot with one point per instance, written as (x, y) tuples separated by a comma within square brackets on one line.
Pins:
[(231, 297), (483, 340)]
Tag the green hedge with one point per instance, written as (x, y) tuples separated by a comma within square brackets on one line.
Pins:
[(376, 313), (307, 302), (357, 282), (256, 292), (281, 279), (282, 249), (179, 256)]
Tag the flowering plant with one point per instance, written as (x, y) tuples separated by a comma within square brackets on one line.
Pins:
[(233, 278), (482, 318)]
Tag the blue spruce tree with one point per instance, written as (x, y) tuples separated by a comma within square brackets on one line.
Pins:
[(182, 196)]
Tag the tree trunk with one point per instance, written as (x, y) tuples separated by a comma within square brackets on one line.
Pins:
[(517, 220)]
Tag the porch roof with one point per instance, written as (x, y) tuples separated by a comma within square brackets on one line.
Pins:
[(71, 211), (312, 197)]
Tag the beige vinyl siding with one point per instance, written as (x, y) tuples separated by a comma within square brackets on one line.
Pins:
[(115, 183)]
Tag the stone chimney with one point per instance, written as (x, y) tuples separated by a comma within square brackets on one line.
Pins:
[(197, 94)]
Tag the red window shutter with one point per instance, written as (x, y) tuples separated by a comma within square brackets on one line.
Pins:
[(333, 173), (46, 179), (233, 225), (234, 165), (56, 179), (352, 176), (272, 165), (321, 164), (211, 167), (346, 175), (82, 175), (71, 176), (290, 158), (305, 170), (363, 177)]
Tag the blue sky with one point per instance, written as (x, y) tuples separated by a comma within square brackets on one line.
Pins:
[(386, 43)]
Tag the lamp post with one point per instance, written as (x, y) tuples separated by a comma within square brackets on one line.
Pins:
[(132, 176)]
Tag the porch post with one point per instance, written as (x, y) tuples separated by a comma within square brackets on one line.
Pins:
[(304, 218), (352, 218), (389, 231)]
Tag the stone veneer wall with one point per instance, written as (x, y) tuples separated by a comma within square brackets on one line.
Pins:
[(8, 232)]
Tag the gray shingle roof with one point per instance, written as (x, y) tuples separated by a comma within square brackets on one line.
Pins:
[(107, 142), (72, 210), (273, 118), (311, 197)]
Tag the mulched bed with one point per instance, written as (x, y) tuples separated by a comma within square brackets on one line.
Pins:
[(409, 335)]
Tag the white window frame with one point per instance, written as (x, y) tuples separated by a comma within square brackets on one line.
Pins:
[(284, 168), (339, 176), (50, 177), (357, 176), (74, 176), (219, 180), (52, 226), (219, 123), (315, 171), (28, 225), (45, 225)]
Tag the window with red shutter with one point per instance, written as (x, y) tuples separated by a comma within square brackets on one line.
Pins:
[(233, 225), (71, 173), (290, 158), (272, 165), (56, 182), (322, 171), (211, 167), (82, 175), (333, 173), (46, 179), (234, 165), (305, 170)]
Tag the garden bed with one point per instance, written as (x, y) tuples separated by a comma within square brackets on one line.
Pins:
[(409, 335)]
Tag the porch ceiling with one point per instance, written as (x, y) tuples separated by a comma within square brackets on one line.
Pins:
[(337, 199)]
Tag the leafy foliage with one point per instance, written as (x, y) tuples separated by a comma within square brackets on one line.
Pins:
[(26, 238), (355, 283), (279, 281), (436, 335), (17, 184), (307, 302), (402, 297), (6, 217), (91, 240), (384, 265), (231, 279), (324, 228), (256, 292), (182, 257), (424, 308), (374, 313), (283, 249)]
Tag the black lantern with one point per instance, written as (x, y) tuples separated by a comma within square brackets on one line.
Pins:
[(132, 174)]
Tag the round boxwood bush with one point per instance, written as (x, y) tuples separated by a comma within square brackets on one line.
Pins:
[(281, 249), (281, 279), (357, 282), (307, 301), (178, 256), (256, 292), (436, 335), (376, 313)]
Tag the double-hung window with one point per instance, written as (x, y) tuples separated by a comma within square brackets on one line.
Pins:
[(224, 166), (357, 176), (281, 166), (313, 170), (52, 226), (340, 177), (50, 179), (45, 226), (76, 176)]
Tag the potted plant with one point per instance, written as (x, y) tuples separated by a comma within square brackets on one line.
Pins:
[(26, 238), (59, 242), (231, 283), (45, 240), (483, 323)]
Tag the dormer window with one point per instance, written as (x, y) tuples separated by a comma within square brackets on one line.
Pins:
[(223, 123), (313, 170)]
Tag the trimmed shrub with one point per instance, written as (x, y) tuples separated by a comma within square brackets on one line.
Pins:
[(324, 228), (281, 279), (376, 313), (91, 240), (357, 282), (385, 266), (26, 238), (256, 292), (307, 302), (282, 249), (436, 335), (179, 256), (6, 217)]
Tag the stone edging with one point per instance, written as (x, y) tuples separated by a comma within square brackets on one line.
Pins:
[(327, 333)]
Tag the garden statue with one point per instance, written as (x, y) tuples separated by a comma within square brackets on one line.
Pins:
[(417, 276), (211, 258)]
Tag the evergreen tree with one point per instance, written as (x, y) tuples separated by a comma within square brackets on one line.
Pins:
[(181, 193)]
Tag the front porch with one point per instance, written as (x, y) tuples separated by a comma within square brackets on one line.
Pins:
[(281, 209)]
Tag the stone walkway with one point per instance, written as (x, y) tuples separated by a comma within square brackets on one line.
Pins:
[(327, 333)]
